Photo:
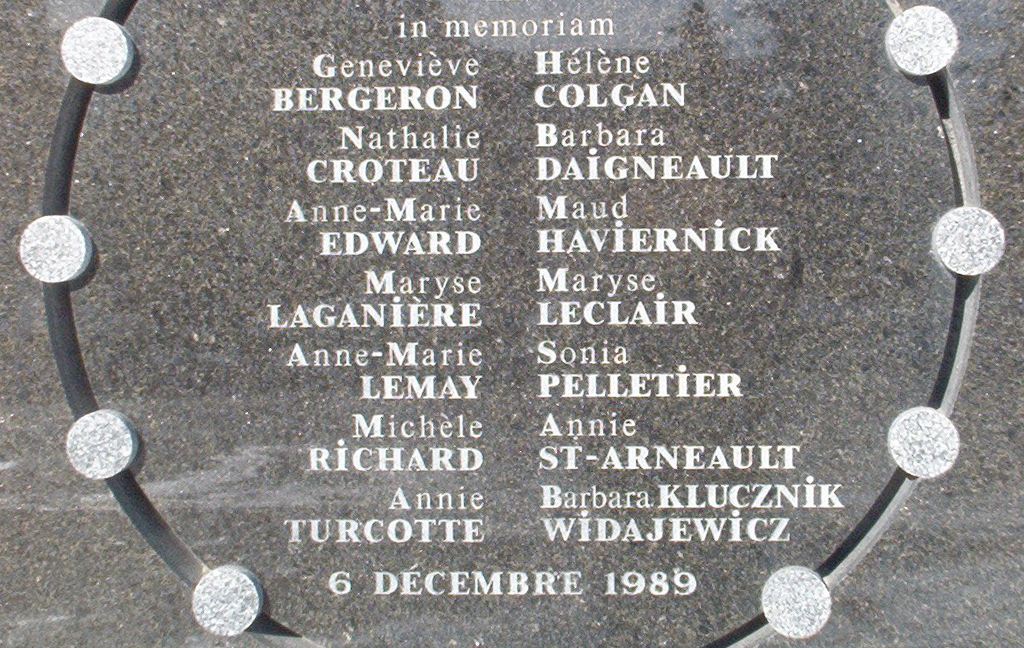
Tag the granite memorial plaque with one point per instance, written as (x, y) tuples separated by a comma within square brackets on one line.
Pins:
[(511, 323)]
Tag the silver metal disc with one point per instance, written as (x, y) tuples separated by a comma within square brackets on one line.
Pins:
[(97, 51), (921, 41), (969, 241), (102, 444), (227, 600), (923, 442), (56, 249), (796, 602)]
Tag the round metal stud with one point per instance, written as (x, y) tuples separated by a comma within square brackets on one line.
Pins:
[(102, 444), (227, 601), (796, 602), (97, 51), (922, 41), (969, 241), (56, 249), (923, 442)]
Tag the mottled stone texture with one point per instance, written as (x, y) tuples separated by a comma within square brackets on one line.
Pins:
[(182, 181)]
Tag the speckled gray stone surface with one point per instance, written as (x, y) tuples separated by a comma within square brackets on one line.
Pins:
[(181, 181)]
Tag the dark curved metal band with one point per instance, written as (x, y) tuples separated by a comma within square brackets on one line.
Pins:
[(953, 368), (60, 320), (189, 568)]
